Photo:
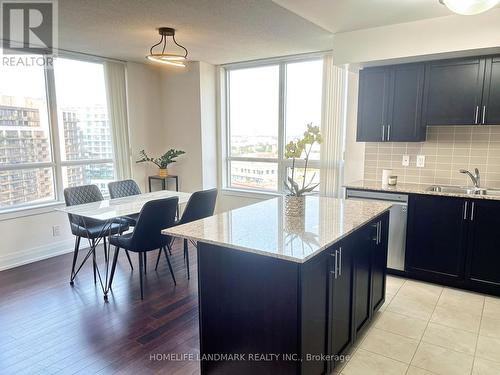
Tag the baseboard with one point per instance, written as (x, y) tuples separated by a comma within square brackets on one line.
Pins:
[(35, 254)]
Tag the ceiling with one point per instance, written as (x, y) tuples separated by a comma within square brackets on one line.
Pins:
[(348, 15), (214, 31)]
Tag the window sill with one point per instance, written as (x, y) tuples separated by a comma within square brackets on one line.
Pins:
[(249, 193), (19, 212)]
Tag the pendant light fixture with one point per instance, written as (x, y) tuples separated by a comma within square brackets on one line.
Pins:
[(469, 7), (163, 57)]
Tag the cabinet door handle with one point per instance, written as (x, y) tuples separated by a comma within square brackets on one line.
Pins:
[(476, 116), (465, 210), (483, 120), (340, 261), (335, 265), (388, 132), (383, 132), (379, 232), (472, 211)]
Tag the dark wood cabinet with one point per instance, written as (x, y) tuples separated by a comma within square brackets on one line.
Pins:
[(454, 241), (379, 263), (363, 248), (453, 92), (490, 110), (436, 237), (259, 305), (483, 263), (390, 104), (341, 334), (396, 103), (373, 104), (357, 282), (404, 121)]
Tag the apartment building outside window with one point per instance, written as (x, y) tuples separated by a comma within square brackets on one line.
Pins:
[(268, 104), (46, 117)]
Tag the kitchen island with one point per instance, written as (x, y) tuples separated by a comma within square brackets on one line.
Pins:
[(287, 295)]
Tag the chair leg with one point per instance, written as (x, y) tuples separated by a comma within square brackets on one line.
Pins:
[(141, 259), (169, 265), (75, 256), (186, 256), (105, 249), (158, 259), (145, 261), (113, 267), (129, 260), (94, 263)]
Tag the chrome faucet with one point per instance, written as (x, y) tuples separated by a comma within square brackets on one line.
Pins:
[(476, 177)]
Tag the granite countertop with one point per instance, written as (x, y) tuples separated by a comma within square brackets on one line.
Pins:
[(414, 189), (263, 228)]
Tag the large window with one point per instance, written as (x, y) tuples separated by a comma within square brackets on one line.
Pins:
[(269, 105), (41, 154)]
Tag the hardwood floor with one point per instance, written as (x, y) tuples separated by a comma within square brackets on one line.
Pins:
[(49, 327)]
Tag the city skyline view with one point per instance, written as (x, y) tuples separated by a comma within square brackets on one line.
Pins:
[(84, 132)]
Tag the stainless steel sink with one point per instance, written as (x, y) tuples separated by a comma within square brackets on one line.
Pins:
[(463, 190)]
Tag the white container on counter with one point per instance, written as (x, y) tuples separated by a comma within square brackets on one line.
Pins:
[(386, 173)]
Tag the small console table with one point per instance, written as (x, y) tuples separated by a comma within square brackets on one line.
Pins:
[(164, 181)]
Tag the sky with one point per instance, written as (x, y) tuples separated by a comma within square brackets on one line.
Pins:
[(254, 98)]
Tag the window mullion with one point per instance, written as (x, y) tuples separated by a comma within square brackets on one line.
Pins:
[(54, 131), (227, 113), (281, 125)]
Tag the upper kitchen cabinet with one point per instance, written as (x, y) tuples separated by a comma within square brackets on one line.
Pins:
[(490, 109), (390, 104), (453, 92), (373, 104)]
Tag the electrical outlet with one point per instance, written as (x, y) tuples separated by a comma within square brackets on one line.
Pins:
[(56, 231), (406, 161), (420, 161)]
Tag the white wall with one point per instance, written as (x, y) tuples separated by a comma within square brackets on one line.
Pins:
[(29, 238), (146, 129), (426, 37), (182, 123), (188, 104)]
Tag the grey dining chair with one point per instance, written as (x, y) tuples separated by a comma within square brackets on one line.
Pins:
[(89, 228), (125, 188), (201, 204), (154, 216)]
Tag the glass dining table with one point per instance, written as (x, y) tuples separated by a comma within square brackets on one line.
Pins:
[(110, 211)]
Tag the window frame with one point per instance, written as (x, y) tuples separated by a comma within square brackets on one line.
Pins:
[(56, 164), (225, 124)]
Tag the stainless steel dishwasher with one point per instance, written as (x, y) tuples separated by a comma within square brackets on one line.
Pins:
[(397, 222)]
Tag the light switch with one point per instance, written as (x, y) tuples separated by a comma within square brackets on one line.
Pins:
[(420, 161), (406, 161)]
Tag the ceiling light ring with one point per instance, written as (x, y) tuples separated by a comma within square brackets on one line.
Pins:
[(167, 58)]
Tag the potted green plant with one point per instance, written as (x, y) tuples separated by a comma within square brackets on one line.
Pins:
[(163, 161), (295, 198)]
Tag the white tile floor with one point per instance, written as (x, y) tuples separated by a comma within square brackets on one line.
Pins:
[(426, 329)]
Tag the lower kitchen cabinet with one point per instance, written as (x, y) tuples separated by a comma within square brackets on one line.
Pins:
[(435, 245), (357, 282), (483, 261), (363, 248), (341, 333), (454, 241), (379, 263)]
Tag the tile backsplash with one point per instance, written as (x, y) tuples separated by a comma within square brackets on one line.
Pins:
[(447, 149)]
